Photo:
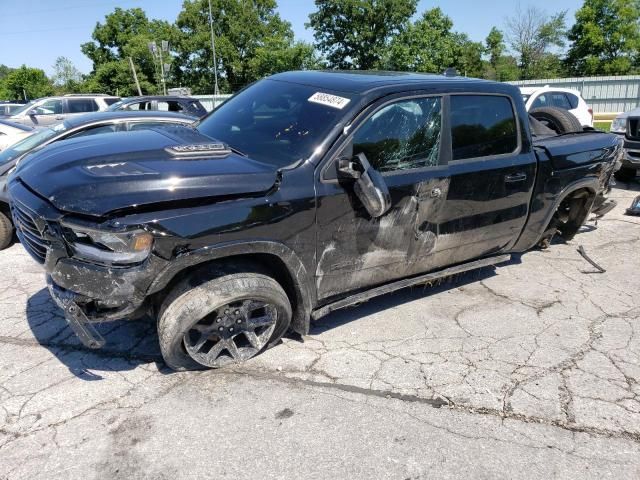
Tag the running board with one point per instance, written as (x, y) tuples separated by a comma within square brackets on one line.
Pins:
[(407, 282)]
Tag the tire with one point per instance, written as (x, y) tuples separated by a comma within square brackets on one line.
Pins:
[(625, 174), (6, 231), (203, 304), (557, 119)]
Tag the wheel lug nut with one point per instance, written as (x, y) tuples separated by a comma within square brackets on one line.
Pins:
[(219, 320), (237, 312), (226, 311), (231, 329), (239, 321), (221, 329)]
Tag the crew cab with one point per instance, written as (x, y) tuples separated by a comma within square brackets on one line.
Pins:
[(304, 193)]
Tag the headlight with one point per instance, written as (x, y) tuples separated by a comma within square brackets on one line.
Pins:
[(619, 125), (102, 246)]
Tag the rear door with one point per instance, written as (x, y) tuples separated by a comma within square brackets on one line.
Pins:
[(79, 106), (492, 171)]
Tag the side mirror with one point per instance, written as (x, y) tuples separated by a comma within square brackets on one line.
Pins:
[(33, 112), (348, 168), (370, 187)]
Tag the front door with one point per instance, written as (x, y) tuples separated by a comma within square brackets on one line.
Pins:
[(48, 113), (401, 139)]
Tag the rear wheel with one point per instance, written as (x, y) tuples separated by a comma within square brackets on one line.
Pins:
[(6, 231), (557, 119), (625, 174), (222, 321)]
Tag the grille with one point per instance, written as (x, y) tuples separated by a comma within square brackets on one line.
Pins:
[(633, 128), (28, 232)]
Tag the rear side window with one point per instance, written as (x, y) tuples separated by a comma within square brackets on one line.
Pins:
[(559, 99), (169, 106), (197, 108), (482, 126), (573, 100), (82, 105), (402, 135)]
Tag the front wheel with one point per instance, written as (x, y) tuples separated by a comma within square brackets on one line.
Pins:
[(222, 321), (6, 231)]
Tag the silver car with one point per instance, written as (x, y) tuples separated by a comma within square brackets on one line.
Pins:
[(50, 110)]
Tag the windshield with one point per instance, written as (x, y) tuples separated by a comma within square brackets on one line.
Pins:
[(23, 108), (526, 97), (275, 122), (32, 141)]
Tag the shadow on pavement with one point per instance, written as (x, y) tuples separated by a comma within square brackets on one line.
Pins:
[(130, 343), (390, 300)]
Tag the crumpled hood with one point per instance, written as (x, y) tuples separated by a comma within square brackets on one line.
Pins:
[(95, 175)]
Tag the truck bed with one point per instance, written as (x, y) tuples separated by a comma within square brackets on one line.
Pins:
[(576, 149)]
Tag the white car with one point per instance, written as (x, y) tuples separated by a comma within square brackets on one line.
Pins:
[(11, 132), (536, 97)]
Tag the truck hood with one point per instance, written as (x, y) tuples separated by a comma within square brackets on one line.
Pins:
[(99, 174)]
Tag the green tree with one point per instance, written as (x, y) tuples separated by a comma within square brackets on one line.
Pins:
[(501, 67), (532, 35), (251, 41), (22, 81), (66, 77), (356, 33), (430, 45), (124, 34), (605, 40), (4, 71)]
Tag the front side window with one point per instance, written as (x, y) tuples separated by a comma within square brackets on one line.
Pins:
[(402, 135), (82, 105), (49, 107), (482, 126)]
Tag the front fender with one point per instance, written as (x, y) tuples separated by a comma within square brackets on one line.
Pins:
[(305, 297)]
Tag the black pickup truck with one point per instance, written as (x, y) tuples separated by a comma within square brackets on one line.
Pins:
[(304, 193)]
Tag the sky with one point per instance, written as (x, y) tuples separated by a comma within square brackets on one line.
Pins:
[(36, 32)]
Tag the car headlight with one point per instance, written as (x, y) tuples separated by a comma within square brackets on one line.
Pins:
[(133, 246), (619, 125)]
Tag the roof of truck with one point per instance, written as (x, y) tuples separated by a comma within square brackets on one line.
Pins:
[(364, 81)]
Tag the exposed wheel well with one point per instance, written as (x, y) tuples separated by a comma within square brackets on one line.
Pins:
[(265, 263), (570, 215)]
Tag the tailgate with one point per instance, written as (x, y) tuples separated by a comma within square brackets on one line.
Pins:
[(574, 150)]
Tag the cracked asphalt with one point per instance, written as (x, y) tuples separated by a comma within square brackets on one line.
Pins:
[(531, 370)]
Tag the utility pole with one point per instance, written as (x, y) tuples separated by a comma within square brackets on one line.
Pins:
[(135, 76), (213, 49)]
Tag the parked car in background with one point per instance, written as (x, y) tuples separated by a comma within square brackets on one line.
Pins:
[(304, 193), (7, 109), (567, 99), (50, 110), (11, 132), (90, 124), (178, 104), (628, 125)]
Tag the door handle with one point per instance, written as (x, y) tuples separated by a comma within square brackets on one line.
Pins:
[(59, 117), (515, 177)]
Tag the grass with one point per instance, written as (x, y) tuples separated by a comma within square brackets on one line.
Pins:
[(602, 126)]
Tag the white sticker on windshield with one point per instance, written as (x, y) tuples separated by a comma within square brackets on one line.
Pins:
[(329, 100)]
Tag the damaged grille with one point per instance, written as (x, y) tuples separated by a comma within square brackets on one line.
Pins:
[(28, 232)]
